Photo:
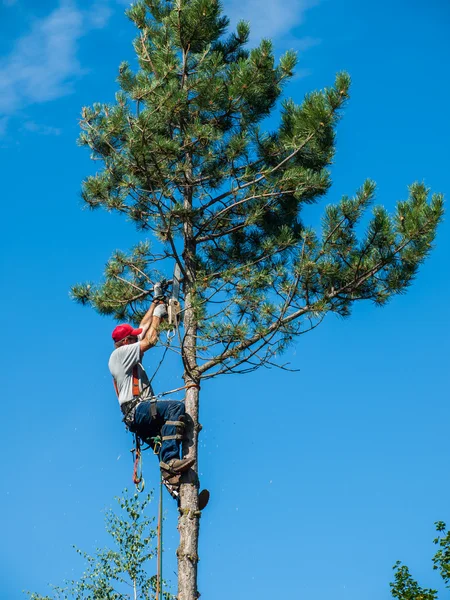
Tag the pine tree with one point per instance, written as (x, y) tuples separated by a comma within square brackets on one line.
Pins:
[(185, 158)]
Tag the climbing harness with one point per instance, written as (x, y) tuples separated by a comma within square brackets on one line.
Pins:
[(169, 477)]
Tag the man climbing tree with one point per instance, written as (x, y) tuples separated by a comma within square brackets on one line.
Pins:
[(185, 159), (143, 415)]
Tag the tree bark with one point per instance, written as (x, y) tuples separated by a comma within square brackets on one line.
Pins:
[(188, 521)]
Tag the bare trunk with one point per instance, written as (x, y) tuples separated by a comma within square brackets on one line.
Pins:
[(188, 522)]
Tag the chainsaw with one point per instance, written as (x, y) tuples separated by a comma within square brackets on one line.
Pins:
[(168, 290)]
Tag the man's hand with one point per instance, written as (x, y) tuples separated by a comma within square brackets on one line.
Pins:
[(160, 311), (158, 293), (146, 321)]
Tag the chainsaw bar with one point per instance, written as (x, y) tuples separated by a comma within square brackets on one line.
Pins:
[(174, 307)]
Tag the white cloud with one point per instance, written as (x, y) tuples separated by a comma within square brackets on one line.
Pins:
[(268, 18), (98, 15), (43, 63), (41, 129)]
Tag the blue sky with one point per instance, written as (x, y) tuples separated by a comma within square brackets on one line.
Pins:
[(321, 479)]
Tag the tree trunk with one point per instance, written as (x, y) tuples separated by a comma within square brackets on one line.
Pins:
[(188, 522)]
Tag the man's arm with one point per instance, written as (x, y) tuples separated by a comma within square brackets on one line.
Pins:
[(147, 319), (150, 336), (158, 298)]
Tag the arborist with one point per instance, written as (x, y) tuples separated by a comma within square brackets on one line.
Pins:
[(143, 414)]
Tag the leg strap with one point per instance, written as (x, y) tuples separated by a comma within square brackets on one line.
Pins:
[(176, 423), (165, 468), (180, 425), (171, 479)]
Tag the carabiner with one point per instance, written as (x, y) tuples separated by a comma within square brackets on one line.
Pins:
[(171, 333)]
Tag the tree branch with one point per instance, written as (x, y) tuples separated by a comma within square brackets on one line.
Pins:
[(276, 325)]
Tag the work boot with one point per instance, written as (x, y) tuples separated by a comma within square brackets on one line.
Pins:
[(177, 465)]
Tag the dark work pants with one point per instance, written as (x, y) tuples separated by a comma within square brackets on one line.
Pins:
[(146, 427)]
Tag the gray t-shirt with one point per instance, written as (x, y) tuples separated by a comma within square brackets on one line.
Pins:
[(121, 364)]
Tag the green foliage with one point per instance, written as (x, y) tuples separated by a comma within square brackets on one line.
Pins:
[(184, 157), (406, 588), (441, 560), (120, 573)]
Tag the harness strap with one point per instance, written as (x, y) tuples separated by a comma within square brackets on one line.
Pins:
[(180, 425), (136, 390), (135, 386), (165, 467)]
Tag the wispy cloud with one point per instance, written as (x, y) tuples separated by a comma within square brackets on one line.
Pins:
[(41, 129), (268, 18), (43, 63)]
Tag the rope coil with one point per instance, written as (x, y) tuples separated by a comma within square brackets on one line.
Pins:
[(138, 478)]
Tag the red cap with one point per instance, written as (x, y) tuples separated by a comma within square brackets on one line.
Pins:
[(123, 331)]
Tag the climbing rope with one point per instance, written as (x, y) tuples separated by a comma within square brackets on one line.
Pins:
[(170, 336), (138, 478), (184, 387), (159, 592)]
